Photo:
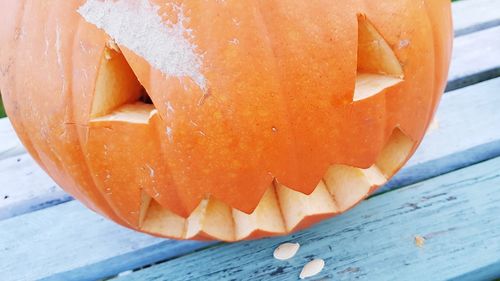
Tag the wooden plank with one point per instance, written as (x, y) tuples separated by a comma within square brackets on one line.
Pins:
[(475, 58), (465, 64), (473, 15), (69, 242), (25, 189), (71, 221), (456, 214), (10, 144)]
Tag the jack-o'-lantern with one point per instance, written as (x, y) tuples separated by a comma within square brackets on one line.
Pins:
[(227, 119)]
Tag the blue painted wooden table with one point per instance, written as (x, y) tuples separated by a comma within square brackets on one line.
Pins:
[(448, 196)]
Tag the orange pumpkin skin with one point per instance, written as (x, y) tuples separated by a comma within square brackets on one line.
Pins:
[(254, 104)]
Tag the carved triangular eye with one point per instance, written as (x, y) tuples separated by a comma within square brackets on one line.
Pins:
[(378, 66), (118, 93)]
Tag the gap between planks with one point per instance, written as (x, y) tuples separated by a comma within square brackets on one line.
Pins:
[(475, 58), (474, 15)]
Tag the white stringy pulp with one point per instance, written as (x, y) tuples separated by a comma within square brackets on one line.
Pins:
[(137, 25)]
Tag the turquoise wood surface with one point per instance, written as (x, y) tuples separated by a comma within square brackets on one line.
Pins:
[(473, 15), (68, 242), (482, 61), (458, 214)]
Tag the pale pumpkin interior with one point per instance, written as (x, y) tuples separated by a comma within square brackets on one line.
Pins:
[(119, 97), (378, 66)]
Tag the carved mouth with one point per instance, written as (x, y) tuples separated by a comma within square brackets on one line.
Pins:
[(282, 210)]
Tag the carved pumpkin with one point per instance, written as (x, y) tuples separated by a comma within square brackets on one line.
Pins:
[(222, 120)]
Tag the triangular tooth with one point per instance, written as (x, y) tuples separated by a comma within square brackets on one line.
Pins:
[(433, 126), (266, 219), (162, 222), (211, 220), (348, 185), (395, 153), (195, 221), (301, 210), (368, 85), (116, 83), (374, 176), (378, 67), (145, 203), (374, 53), (218, 221)]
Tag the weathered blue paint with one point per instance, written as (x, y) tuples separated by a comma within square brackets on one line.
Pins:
[(458, 214), (69, 242), (471, 16), (482, 61)]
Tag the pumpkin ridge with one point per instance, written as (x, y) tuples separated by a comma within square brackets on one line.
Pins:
[(292, 145), (439, 52), (14, 95)]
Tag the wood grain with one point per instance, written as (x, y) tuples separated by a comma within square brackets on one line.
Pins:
[(26, 189), (456, 214), (474, 15), (475, 58), (69, 242), (10, 144)]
